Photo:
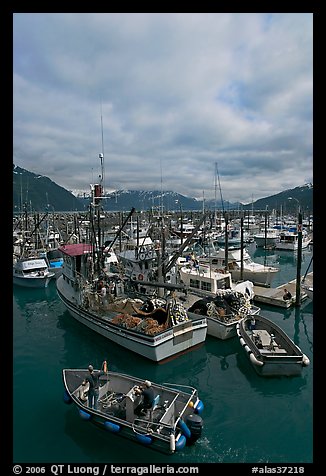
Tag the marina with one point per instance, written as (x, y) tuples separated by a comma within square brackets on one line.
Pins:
[(47, 340), (162, 238)]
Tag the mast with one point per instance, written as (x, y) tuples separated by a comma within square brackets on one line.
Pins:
[(97, 194), (219, 184), (102, 155)]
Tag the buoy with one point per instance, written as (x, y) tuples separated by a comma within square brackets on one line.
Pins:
[(199, 407), (183, 427), (255, 361), (113, 427), (180, 442), (145, 439), (140, 277), (305, 360), (66, 397), (84, 415)]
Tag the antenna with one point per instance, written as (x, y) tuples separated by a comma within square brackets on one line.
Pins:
[(102, 154), (97, 190)]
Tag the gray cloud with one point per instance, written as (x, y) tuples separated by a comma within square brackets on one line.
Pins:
[(177, 94)]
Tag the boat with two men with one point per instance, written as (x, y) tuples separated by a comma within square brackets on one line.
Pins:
[(172, 421)]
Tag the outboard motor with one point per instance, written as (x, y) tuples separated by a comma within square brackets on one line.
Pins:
[(195, 424)]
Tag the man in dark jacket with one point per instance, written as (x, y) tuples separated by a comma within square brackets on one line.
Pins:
[(93, 379), (147, 398)]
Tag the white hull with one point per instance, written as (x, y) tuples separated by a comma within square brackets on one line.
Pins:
[(32, 282), (218, 329), (260, 277), (164, 345), (31, 273), (261, 242), (293, 245), (222, 331)]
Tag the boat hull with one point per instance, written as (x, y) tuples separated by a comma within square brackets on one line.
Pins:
[(262, 278), (165, 345), (261, 241), (34, 282), (218, 329)]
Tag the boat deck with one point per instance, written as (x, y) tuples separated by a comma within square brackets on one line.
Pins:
[(274, 296)]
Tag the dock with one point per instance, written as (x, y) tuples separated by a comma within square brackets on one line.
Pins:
[(274, 296)]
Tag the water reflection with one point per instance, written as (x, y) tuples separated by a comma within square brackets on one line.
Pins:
[(269, 386), (24, 296)]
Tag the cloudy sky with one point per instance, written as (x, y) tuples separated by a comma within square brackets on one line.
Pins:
[(168, 97)]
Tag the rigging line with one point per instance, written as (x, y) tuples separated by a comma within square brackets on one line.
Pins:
[(305, 275)]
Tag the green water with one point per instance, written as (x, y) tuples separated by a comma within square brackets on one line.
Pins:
[(247, 418)]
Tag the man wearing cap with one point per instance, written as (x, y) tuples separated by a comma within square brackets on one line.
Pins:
[(148, 397), (93, 379)]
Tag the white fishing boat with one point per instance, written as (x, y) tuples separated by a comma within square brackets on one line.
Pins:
[(260, 274), (213, 295), (32, 273), (269, 349), (172, 422), (120, 318), (98, 299), (289, 239), (266, 239)]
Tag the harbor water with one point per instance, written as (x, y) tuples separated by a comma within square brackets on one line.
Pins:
[(247, 418)]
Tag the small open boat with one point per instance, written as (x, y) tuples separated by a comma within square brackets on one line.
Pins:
[(270, 350), (171, 423)]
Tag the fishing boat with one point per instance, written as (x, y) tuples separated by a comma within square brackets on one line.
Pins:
[(120, 318), (172, 422), (269, 349), (32, 273), (213, 295), (289, 239), (266, 239), (100, 300), (260, 274), (222, 311)]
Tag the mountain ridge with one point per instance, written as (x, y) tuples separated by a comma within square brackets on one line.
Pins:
[(37, 192)]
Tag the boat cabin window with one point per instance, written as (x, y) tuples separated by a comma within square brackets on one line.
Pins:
[(54, 254), (34, 270), (206, 286), (223, 283), (195, 283)]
